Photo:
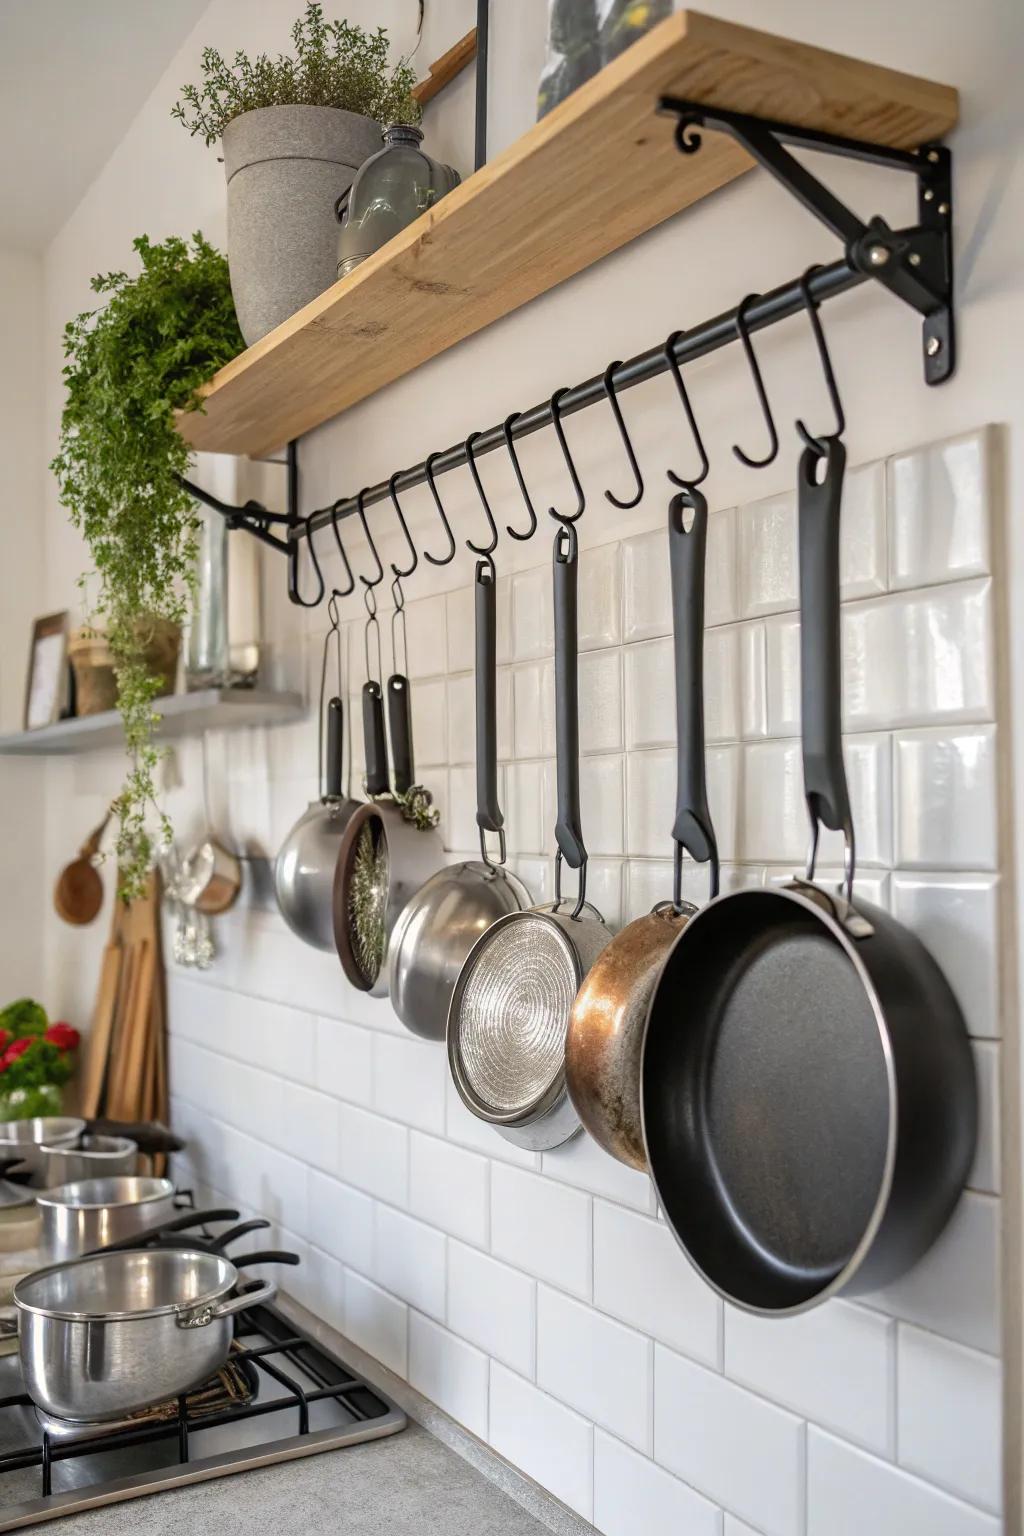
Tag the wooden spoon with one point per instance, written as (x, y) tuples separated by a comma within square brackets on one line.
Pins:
[(78, 894)]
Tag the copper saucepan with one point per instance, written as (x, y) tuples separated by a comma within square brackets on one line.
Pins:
[(606, 1027)]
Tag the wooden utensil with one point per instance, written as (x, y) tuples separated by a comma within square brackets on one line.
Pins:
[(78, 894)]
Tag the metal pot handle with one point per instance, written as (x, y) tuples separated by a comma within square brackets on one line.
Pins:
[(202, 1317)]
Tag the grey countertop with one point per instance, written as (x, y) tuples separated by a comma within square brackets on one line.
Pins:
[(404, 1484)]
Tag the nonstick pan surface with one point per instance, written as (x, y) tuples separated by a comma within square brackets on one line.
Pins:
[(808, 1096)]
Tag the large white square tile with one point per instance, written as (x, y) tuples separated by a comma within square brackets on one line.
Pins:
[(461, 720), (939, 511), (753, 681), (549, 1442), (863, 556), (409, 1260), (600, 597), (449, 1372), (426, 633), (377, 1322), (850, 1493), (600, 701), (642, 1276), (494, 1306), (782, 660), (458, 827), (650, 802), (767, 556), (722, 685), (533, 623), (650, 704), (958, 918), (543, 1228), (721, 603), (601, 804), (449, 1188), (524, 808), (604, 888), (730, 1445), (946, 799), (583, 1163), (533, 695), (647, 589), (633, 1495), (429, 728), (774, 818), (648, 881), (950, 1419), (595, 1365), (835, 1365)]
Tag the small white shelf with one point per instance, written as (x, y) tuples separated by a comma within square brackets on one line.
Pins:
[(181, 714)]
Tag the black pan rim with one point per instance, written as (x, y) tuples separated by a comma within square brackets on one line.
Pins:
[(791, 894)]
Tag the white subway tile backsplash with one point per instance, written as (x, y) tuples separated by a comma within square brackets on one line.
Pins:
[(450, 1372), (721, 597), (753, 681), (533, 704), (767, 556), (461, 707), (649, 695), (834, 1365), (782, 663), (468, 1131), (957, 918), (377, 1322), (344, 1060), (524, 808), (950, 1417), (600, 597), (533, 622), (461, 625), (850, 1493), (494, 1306), (595, 1365), (409, 1081), (374, 1155), (449, 1188), (633, 1495), (939, 511), (734, 1527), (604, 888), (722, 686), (601, 804), (600, 701), (945, 794), (409, 1260), (429, 723), (647, 588), (552, 1444), (426, 634), (642, 1277), (343, 1221), (583, 1163), (863, 560), (728, 1444), (542, 1227)]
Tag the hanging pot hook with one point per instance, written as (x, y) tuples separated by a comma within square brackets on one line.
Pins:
[(480, 549), (398, 620), (405, 529), (335, 592), (361, 509), (613, 401), (677, 374), (506, 428), (439, 559), (581, 500), (295, 543), (743, 333), (815, 443)]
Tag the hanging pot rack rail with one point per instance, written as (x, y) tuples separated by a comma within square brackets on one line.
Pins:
[(913, 263)]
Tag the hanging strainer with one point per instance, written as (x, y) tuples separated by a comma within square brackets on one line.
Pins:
[(510, 1008)]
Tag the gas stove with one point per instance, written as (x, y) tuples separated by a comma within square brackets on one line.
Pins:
[(280, 1397)]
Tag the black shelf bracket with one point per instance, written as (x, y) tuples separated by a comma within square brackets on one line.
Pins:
[(253, 516), (916, 264)]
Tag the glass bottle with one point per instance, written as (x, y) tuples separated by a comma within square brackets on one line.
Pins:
[(390, 190), (207, 665)]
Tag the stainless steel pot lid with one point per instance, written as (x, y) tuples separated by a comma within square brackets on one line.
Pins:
[(95, 1194), (130, 1283)]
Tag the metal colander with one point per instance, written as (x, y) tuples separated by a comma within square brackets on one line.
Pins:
[(511, 1011)]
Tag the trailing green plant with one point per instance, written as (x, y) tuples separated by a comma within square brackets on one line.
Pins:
[(336, 64), (130, 365)]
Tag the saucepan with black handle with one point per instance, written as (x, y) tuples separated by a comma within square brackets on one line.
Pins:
[(808, 1094)]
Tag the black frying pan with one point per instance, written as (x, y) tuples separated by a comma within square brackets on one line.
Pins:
[(808, 1093)]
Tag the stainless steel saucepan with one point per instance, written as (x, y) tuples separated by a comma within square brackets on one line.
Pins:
[(22, 1140), (106, 1335), (92, 1213), (91, 1157)]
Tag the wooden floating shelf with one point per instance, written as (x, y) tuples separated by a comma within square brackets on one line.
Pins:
[(598, 171), (181, 714)]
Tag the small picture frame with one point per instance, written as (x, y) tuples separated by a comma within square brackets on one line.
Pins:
[(48, 686)]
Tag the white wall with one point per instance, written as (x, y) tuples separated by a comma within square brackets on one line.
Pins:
[(21, 598), (301, 1097)]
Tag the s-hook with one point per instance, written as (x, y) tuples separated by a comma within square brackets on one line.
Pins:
[(335, 592), (428, 468), (367, 583), (743, 333), (613, 401), (809, 440), (398, 621), (405, 529), (506, 428), (581, 500), (677, 374), (480, 549), (294, 543)]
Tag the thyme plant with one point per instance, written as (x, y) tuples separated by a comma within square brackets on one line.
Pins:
[(131, 363), (336, 64)]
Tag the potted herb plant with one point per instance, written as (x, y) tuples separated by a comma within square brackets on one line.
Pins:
[(130, 365), (294, 130)]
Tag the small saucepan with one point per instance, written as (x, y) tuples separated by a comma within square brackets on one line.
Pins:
[(94, 1212), (22, 1141), (304, 870), (606, 1027), (91, 1157), (440, 924), (511, 1004)]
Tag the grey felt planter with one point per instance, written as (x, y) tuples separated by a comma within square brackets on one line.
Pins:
[(286, 167)]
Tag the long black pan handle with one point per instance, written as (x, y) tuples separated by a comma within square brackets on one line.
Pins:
[(400, 731), (821, 679), (177, 1224), (374, 740), (488, 812), (335, 719), (225, 1239), (568, 830), (264, 1256), (149, 1136), (693, 828)]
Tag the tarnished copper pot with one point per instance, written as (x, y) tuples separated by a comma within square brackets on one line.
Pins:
[(606, 1030)]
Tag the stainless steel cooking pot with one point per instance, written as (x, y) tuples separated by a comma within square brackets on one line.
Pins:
[(23, 1139), (93, 1213), (106, 1335), (91, 1157)]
